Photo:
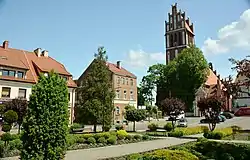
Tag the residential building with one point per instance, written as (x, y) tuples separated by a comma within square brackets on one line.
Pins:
[(243, 98), (19, 71), (124, 85)]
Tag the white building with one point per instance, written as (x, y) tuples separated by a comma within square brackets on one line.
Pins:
[(19, 71)]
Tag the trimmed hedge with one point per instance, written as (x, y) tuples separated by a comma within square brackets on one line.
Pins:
[(153, 127), (218, 133)]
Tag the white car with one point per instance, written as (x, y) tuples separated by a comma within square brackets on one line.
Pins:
[(182, 122)]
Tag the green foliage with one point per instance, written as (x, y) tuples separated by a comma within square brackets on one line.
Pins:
[(184, 75), (95, 95), (137, 137), (6, 127), (145, 137), (218, 133), (45, 127), (6, 137), (76, 126), (86, 136), (129, 137), (10, 116), (135, 115), (91, 140), (81, 140), (169, 155), (119, 127), (102, 140), (168, 127), (152, 127), (106, 127), (112, 140), (176, 133), (121, 134), (141, 100)]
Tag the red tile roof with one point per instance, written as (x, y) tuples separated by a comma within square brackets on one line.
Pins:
[(120, 71), (30, 62)]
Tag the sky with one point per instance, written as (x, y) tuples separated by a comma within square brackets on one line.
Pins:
[(131, 31)]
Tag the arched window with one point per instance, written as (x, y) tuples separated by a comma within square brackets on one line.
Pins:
[(117, 110)]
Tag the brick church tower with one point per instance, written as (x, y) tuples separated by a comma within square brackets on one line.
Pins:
[(179, 33)]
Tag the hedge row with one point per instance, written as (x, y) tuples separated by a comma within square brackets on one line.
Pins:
[(219, 133)]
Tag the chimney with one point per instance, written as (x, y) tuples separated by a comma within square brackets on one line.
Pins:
[(45, 53), (38, 52), (118, 63), (6, 44)]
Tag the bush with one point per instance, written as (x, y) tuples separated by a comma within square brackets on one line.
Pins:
[(105, 135), (15, 136), (6, 137), (129, 137), (91, 140), (102, 140), (6, 127), (145, 137), (119, 127), (80, 140), (76, 126), (137, 137), (218, 133), (106, 128), (236, 128), (71, 140), (114, 133), (112, 139), (177, 133), (169, 154), (17, 143), (152, 127), (86, 136), (10, 116), (121, 134), (168, 127)]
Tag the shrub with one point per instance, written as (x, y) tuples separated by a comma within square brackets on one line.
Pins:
[(236, 128), (114, 133), (80, 140), (137, 137), (129, 137), (6, 137), (201, 139), (168, 127), (169, 154), (86, 136), (112, 139), (49, 99), (105, 135), (177, 133), (152, 127), (76, 126), (15, 136), (205, 129), (218, 133), (91, 140), (106, 128), (10, 116), (6, 127), (145, 137), (71, 139), (121, 134), (119, 127), (17, 143), (102, 140)]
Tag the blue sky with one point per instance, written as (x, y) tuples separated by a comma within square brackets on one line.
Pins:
[(131, 31)]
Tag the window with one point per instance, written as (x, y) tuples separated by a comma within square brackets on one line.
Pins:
[(123, 80), (20, 74), (22, 93), (117, 110), (125, 94), (131, 82), (117, 94), (127, 81), (131, 95), (6, 92), (69, 97), (118, 80), (8, 73)]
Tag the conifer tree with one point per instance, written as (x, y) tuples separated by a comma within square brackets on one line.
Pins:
[(45, 126), (95, 95)]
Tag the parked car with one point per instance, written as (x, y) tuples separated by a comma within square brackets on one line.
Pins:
[(180, 116), (243, 111), (222, 118), (219, 119), (228, 115), (182, 122)]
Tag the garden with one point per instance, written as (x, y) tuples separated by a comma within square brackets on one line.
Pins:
[(203, 149), (11, 145)]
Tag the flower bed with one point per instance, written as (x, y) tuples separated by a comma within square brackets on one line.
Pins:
[(10, 145)]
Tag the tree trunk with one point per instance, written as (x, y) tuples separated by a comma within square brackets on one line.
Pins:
[(134, 127), (173, 124), (95, 127), (19, 128)]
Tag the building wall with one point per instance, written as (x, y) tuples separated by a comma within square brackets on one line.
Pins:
[(14, 90), (121, 84)]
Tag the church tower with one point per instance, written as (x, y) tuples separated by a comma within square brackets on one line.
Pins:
[(179, 33)]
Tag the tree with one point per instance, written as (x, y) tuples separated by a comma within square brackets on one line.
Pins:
[(134, 115), (211, 108), (173, 107), (184, 75), (45, 126), (20, 107), (149, 109), (9, 118), (141, 99), (96, 94)]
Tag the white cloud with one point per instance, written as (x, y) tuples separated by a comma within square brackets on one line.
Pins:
[(231, 36), (140, 58)]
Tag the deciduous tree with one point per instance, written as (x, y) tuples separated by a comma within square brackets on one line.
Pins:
[(134, 115), (173, 107), (45, 126)]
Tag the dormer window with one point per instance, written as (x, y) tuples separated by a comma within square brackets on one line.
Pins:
[(20, 74), (8, 73)]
